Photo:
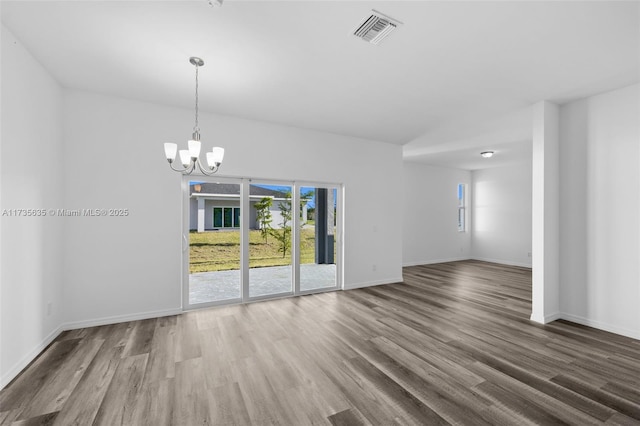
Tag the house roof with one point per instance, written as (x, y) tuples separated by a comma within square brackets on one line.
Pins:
[(234, 189)]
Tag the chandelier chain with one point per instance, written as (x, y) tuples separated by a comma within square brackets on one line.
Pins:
[(196, 128)]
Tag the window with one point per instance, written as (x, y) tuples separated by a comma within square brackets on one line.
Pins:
[(217, 217), (236, 218), (226, 217), (462, 210)]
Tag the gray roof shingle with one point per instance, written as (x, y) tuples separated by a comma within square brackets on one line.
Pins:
[(233, 189)]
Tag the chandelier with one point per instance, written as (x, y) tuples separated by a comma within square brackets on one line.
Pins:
[(190, 158)]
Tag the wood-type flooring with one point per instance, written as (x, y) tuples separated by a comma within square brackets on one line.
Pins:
[(453, 344)]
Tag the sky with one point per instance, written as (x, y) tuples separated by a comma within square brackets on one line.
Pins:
[(303, 190), (283, 188)]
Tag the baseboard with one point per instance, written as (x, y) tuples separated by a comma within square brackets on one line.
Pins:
[(545, 319), (372, 283), (121, 318), (503, 262), (28, 358), (432, 261), (458, 259), (634, 334), (552, 317)]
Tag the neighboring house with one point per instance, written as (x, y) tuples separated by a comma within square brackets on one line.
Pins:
[(217, 206)]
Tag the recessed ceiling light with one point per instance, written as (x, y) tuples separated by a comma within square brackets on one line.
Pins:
[(487, 154), (217, 3)]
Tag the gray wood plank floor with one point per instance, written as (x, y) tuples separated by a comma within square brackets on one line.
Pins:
[(451, 345)]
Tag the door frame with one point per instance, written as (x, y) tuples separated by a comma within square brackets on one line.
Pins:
[(244, 238)]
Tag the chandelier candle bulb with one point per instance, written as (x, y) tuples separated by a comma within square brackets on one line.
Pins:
[(185, 157), (210, 160), (170, 150), (218, 155), (194, 148)]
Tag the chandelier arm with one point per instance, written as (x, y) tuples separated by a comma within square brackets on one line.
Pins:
[(185, 171), (204, 171), (177, 170), (213, 172)]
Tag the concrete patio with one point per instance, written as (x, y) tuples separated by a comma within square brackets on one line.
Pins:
[(224, 285)]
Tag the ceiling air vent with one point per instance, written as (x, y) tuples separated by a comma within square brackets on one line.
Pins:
[(376, 27)]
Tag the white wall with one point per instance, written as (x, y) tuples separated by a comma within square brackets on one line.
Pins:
[(501, 212), (430, 215), (118, 267), (599, 211), (498, 219), (31, 178)]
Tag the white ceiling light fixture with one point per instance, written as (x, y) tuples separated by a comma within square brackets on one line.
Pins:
[(376, 27), (215, 3), (190, 158), (487, 154)]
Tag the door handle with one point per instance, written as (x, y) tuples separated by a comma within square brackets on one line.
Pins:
[(185, 243)]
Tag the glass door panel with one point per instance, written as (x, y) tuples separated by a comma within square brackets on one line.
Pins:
[(318, 242), (270, 240), (228, 217), (214, 243)]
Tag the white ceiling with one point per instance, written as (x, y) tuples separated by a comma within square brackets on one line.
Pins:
[(456, 78)]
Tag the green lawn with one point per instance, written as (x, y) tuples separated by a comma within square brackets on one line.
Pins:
[(220, 250)]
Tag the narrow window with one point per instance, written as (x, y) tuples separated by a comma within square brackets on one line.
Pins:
[(462, 223), (217, 217), (236, 217), (228, 217)]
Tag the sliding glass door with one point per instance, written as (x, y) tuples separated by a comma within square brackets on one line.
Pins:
[(270, 237), (318, 238), (247, 240), (214, 240)]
